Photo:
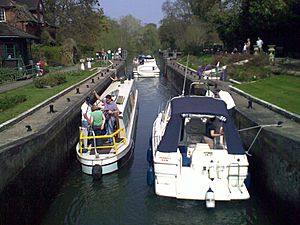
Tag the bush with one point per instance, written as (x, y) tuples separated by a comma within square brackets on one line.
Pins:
[(52, 54), (7, 74), (50, 80), (7, 102)]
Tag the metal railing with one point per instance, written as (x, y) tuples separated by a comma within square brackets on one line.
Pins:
[(113, 136)]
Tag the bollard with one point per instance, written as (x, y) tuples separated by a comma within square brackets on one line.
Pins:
[(93, 81), (101, 74), (77, 91), (51, 109), (249, 104), (87, 86), (98, 78), (68, 99), (28, 127)]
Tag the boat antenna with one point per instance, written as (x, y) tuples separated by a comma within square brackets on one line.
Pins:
[(185, 73)]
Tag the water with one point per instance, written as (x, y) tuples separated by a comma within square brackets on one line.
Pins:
[(124, 197)]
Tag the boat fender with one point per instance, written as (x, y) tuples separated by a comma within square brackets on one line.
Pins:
[(97, 172), (210, 198), (150, 176), (149, 155)]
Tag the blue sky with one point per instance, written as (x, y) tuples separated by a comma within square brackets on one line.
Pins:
[(148, 11)]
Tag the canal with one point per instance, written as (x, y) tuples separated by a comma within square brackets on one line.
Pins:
[(124, 197)]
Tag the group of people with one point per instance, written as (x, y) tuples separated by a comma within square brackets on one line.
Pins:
[(247, 45), (100, 117)]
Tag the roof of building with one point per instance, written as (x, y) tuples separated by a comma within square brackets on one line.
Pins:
[(24, 15), (7, 31), (31, 4), (5, 3)]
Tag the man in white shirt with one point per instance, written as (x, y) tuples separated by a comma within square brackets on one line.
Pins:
[(259, 44), (86, 113)]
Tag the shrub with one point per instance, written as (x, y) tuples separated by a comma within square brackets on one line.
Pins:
[(7, 74), (52, 54), (50, 80), (7, 102)]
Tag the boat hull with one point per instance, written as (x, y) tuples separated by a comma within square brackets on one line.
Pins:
[(112, 158), (193, 167), (108, 165)]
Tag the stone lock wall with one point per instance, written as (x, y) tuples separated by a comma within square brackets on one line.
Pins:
[(37, 164)]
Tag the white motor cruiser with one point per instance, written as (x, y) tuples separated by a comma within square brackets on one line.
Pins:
[(108, 158), (185, 165), (145, 66)]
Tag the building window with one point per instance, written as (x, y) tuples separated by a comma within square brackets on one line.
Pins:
[(2, 15), (10, 51)]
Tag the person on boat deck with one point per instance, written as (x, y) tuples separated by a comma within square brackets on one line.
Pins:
[(86, 116), (111, 109), (86, 112), (97, 122), (211, 132)]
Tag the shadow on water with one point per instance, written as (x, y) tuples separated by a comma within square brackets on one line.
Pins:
[(124, 197)]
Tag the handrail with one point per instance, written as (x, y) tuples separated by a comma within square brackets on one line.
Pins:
[(238, 176), (115, 143)]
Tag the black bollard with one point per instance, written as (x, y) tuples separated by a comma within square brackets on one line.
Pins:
[(77, 91), (249, 104), (101, 74), (93, 81), (68, 99), (87, 86), (51, 109), (98, 78), (28, 127)]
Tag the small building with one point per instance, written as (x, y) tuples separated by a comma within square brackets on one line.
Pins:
[(21, 24)]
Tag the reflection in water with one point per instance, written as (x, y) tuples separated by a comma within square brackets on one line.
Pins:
[(124, 197)]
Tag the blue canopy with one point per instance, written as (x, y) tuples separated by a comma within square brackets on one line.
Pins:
[(199, 105)]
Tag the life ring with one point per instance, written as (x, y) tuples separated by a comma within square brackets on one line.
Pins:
[(97, 172)]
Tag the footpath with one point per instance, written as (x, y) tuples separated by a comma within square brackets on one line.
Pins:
[(33, 120), (19, 83)]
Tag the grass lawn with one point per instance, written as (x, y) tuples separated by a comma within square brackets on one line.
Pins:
[(35, 95), (282, 90)]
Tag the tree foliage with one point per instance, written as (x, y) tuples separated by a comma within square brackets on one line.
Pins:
[(184, 27), (129, 33), (275, 21)]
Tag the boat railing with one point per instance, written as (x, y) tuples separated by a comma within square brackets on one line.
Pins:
[(113, 136)]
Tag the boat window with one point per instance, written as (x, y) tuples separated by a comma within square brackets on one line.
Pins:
[(132, 97), (120, 100), (126, 113)]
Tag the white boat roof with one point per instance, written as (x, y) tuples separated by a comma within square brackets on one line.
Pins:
[(120, 92)]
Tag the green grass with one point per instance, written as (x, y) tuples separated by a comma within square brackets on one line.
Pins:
[(283, 91), (35, 95), (100, 63), (196, 61)]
